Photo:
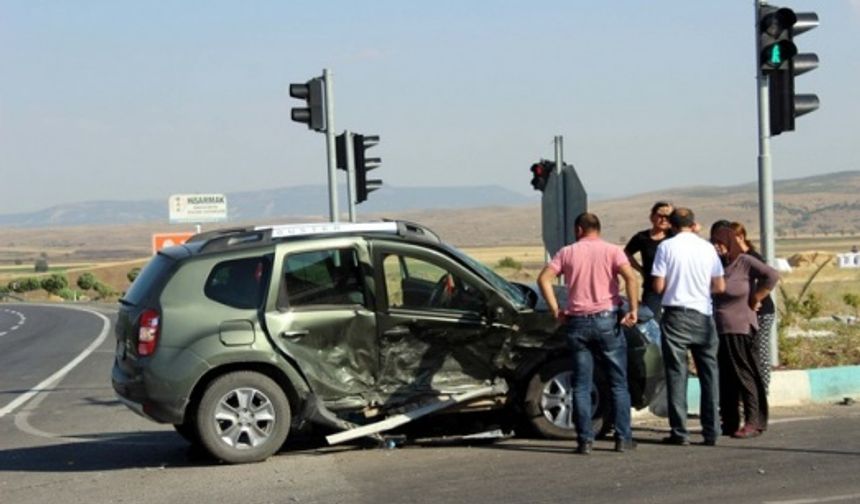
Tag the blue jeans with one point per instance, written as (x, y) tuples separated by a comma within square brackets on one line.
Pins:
[(685, 329), (598, 336)]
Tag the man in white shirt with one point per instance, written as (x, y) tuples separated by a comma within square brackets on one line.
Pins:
[(687, 270)]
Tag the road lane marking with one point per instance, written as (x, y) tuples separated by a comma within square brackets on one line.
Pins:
[(56, 377), (21, 319), (833, 498)]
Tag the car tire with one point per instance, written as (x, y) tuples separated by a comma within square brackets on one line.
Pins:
[(548, 401), (243, 417)]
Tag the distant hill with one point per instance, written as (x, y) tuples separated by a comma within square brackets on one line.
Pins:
[(465, 216), (272, 203)]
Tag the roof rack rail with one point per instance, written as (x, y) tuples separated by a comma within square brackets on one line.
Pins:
[(408, 228), (217, 233), (220, 239), (285, 230)]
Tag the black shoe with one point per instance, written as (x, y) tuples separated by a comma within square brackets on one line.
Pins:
[(710, 442), (675, 440), (584, 448), (622, 445)]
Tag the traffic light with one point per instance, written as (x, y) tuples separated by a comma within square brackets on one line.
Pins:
[(780, 62), (363, 164), (541, 172), (313, 91)]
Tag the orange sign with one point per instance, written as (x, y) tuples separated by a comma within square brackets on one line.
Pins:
[(164, 240)]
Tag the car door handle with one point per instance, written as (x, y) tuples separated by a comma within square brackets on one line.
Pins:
[(295, 334)]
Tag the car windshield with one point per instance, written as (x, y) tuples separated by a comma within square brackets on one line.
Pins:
[(508, 289)]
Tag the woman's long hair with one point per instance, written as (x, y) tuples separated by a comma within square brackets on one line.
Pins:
[(727, 237), (742, 233)]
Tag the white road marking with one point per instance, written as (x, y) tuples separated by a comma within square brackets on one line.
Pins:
[(56, 377), (21, 320), (795, 419), (833, 498)]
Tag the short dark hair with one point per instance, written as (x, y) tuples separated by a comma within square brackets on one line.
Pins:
[(659, 205), (722, 223), (587, 222), (682, 217)]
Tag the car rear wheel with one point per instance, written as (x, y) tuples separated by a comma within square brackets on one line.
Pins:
[(243, 417), (549, 403)]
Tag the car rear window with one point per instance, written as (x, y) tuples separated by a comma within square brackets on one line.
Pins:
[(238, 283), (154, 273)]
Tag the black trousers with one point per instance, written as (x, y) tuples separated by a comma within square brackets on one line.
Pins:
[(741, 382)]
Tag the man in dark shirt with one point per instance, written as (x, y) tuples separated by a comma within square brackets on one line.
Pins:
[(645, 243)]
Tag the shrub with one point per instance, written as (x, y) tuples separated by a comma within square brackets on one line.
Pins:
[(805, 304), (86, 281), (25, 285), (132, 274), (103, 290), (54, 283), (509, 262), (41, 265)]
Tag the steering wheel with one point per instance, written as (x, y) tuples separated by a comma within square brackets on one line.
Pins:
[(443, 291)]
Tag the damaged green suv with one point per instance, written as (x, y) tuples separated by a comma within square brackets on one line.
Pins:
[(240, 336)]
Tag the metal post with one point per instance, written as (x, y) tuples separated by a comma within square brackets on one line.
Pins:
[(765, 177), (350, 173), (559, 187), (330, 146)]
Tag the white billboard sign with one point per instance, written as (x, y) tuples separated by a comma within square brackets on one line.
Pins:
[(197, 208)]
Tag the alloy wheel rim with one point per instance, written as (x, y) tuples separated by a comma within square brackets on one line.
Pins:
[(557, 403), (244, 418)]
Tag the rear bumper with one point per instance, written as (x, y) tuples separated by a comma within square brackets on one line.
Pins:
[(156, 399)]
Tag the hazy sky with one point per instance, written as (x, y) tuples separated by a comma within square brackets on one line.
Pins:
[(130, 100)]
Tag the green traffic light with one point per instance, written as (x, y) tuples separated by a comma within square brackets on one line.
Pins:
[(775, 56)]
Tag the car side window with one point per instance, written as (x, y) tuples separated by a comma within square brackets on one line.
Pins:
[(415, 283), (238, 283), (323, 277)]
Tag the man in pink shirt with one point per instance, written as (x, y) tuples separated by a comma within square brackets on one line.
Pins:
[(591, 268)]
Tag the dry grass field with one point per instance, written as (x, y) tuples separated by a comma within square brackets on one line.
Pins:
[(489, 234)]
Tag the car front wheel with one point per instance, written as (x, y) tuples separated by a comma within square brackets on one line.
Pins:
[(549, 402), (243, 417)]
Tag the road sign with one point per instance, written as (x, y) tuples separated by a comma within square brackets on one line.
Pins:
[(163, 240), (574, 202), (197, 208)]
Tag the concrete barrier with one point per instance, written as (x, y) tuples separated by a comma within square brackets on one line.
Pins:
[(792, 388)]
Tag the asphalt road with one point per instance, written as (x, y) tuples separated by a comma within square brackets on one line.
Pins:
[(65, 437)]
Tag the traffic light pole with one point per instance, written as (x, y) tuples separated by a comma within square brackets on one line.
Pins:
[(765, 179), (559, 187), (330, 146), (350, 173)]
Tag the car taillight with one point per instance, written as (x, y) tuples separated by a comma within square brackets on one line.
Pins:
[(147, 335)]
